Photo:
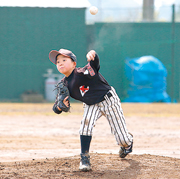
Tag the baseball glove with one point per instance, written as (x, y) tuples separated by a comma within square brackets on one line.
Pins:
[(62, 93)]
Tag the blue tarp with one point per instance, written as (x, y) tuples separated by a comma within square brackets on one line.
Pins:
[(147, 76)]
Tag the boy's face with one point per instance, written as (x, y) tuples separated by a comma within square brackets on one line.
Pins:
[(65, 65)]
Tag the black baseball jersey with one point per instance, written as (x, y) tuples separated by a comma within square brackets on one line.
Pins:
[(87, 84)]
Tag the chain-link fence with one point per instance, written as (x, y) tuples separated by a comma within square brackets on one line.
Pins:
[(159, 14)]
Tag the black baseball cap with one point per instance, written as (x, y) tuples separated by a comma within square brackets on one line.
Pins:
[(67, 53)]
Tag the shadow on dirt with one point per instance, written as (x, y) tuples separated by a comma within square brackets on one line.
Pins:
[(124, 168), (133, 170)]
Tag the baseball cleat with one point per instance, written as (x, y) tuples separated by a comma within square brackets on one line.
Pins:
[(124, 151), (85, 163)]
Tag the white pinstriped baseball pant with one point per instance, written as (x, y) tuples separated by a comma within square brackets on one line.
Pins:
[(111, 109)]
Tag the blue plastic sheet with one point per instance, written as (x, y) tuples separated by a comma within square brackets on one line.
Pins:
[(147, 77)]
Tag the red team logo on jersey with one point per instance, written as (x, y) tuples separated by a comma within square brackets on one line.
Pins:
[(83, 90)]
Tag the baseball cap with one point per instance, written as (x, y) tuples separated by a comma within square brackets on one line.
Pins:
[(67, 53)]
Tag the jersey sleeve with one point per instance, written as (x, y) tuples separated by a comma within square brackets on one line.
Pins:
[(95, 63)]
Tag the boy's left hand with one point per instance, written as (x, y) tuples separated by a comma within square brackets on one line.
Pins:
[(91, 55)]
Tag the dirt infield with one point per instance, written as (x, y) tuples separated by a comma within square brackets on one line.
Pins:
[(36, 143)]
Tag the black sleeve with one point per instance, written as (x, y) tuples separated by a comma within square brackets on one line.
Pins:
[(95, 63), (56, 110)]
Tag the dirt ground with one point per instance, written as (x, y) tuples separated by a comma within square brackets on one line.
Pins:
[(36, 143)]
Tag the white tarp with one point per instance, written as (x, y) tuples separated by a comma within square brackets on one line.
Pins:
[(46, 3)]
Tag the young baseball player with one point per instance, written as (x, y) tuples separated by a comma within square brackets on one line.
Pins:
[(100, 99)]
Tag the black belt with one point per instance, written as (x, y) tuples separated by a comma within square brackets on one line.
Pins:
[(108, 94)]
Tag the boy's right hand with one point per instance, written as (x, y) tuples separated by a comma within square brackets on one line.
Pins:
[(65, 101), (62, 97), (91, 55)]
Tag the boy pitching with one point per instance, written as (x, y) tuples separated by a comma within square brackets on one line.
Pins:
[(89, 86)]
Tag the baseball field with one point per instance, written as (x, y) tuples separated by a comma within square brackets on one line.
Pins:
[(37, 143)]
